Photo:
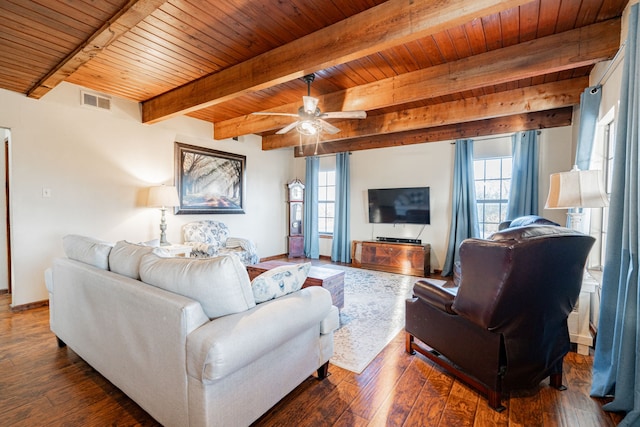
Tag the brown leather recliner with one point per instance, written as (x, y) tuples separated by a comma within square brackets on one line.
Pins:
[(505, 326)]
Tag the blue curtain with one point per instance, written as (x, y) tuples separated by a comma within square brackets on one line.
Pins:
[(589, 110), (464, 214), (311, 234), (616, 365), (341, 246), (523, 196)]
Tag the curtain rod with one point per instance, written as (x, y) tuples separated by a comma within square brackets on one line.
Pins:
[(490, 138), (613, 61)]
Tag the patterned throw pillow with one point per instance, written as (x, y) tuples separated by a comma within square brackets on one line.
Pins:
[(279, 281)]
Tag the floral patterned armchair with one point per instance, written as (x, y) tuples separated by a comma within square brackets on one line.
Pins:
[(210, 238)]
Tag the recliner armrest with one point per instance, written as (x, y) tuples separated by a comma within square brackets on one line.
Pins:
[(439, 296)]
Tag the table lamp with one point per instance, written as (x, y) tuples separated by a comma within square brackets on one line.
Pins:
[(576, 189), (163, 197)]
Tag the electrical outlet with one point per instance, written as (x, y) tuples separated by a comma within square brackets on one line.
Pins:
[(46, 193)]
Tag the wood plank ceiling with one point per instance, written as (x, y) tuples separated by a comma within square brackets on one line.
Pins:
[(423, 70)]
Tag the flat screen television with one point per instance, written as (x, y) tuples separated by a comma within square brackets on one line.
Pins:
[(399, 205)]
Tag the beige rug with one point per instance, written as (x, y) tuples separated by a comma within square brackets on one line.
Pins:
[(373, 314)]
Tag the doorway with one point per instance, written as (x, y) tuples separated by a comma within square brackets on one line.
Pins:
[(5, 231)]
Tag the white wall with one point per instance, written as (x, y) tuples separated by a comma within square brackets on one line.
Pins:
[(98, 166), (424, 165), (557, 154)]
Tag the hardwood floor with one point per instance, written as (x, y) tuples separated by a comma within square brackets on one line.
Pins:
[(41, 384)]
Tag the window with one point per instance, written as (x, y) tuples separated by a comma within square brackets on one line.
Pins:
[(609, 145), (492, 183), (326, 201), (597, 219)]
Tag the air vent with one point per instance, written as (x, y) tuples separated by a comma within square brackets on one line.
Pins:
[(96, 101)]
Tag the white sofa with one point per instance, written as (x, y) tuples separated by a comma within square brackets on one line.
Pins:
[(180, 358)]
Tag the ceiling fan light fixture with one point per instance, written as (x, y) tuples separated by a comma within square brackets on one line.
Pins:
[(310, 105), (310, 120), (308, 127)]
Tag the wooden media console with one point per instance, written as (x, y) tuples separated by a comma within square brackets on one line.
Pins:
[(403, 258)]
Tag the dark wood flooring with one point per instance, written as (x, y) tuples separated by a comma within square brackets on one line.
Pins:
[(41, 384)]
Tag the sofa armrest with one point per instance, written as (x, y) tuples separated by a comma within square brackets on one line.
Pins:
[(228, 343), (247, 245), (240, 242), (330, 323), (439, 296)]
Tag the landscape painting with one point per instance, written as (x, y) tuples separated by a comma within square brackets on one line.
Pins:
[(209, 181)]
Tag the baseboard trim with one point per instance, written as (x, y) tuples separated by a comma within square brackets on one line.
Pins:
[(271, 258), (30, 306), (4, 291)]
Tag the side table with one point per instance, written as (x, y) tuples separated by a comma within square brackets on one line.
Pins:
[(178, 250), (578, 321)]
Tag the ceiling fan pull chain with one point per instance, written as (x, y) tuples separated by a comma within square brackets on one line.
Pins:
[(315, 153), (301, 150)]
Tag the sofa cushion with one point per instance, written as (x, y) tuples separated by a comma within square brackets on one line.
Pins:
[(87, 250), (220, 284), (125, 258), (279, 281)]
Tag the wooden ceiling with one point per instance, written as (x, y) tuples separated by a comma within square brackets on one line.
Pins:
[(423, 70)]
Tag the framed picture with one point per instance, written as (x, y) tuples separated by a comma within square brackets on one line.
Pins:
[(209, 181)]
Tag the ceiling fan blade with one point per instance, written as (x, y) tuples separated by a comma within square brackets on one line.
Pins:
[(287, 128), (275, 114), (358, 114), (327, 127), (310, 104)]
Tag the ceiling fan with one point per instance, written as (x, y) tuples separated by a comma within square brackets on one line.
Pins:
[(310, 120)]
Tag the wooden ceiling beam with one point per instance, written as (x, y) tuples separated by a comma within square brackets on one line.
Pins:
[(389, 24), (501, 125), (571, 49), (129, 15), (518, 101)]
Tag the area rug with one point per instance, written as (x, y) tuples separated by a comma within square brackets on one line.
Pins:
[(373, 314)]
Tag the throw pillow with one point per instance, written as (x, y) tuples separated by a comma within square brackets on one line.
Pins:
[(88, 250), (220, 284), (279, 281), (530, 219), (125, 258)]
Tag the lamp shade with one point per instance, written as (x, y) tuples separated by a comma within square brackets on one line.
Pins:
[(163, 196), (576, 189)]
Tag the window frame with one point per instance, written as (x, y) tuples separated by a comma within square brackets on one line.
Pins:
[(329, 203), (502, 202), (599, 228)]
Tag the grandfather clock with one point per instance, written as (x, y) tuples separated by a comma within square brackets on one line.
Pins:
[(295, 199)]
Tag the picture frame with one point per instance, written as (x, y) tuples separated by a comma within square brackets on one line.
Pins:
[(209, 181)]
